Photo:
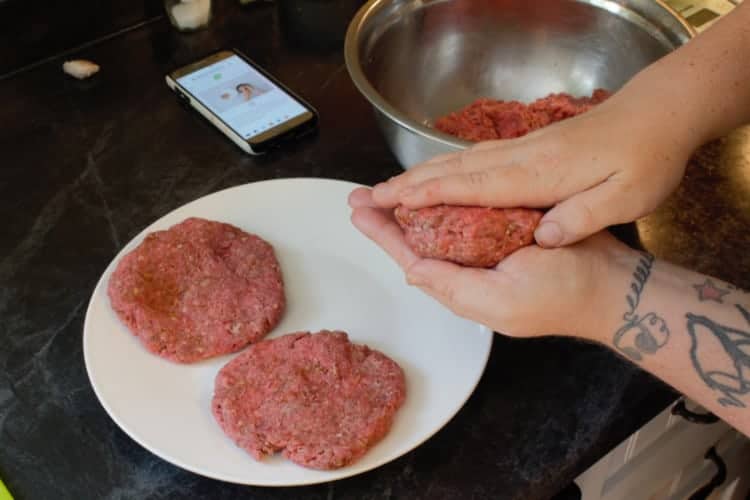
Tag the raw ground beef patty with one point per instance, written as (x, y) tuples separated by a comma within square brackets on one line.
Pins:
[(318, 398), (487, 119), (470, 236), (197, 290)]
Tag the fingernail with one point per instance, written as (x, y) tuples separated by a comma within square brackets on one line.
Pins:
[(548, 234)]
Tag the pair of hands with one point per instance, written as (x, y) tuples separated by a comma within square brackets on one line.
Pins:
[(593, 170)]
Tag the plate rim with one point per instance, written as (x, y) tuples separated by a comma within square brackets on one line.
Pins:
[(342, 473)]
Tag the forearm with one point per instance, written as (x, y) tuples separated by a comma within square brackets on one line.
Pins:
[(688, 329), (700, 91)]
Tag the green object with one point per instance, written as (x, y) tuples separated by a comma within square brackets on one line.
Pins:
[(4, 493)]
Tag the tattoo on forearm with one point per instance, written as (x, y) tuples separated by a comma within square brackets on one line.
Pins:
[(640, 334), (721, 356), (708, 291)]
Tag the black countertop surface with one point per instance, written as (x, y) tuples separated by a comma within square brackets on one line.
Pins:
[(32, 32), (86, 165)]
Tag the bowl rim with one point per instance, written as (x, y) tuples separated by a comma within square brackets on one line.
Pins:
[(354, 67)]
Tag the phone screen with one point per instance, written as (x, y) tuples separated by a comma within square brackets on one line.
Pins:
[(244, 99)]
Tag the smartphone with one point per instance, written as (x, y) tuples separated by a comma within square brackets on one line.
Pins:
[(247, 104)]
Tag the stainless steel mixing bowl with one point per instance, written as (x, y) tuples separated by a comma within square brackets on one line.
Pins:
[(416, 60)]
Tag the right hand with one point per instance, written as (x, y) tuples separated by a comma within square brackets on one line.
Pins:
[(579, 287), (611, 165)]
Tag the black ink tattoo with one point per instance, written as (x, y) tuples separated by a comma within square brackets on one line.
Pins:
[(640, 334), (708, 291), (721, 356)]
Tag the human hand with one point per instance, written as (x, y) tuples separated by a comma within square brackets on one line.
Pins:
[(598, 169), (534, 291)]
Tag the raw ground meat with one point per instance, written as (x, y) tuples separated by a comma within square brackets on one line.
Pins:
[(470, 236), (318, 398), (487, 119), (197, 290)]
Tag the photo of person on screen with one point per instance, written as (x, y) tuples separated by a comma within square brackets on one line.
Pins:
[(246, 91)]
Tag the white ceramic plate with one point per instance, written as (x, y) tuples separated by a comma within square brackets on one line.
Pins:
[(335, 278)]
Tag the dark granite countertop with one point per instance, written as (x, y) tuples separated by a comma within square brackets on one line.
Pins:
[(86, 165)]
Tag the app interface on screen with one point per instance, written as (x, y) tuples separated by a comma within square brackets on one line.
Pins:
[(242, 97)]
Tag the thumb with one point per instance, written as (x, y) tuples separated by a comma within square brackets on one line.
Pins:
[(583, 215)]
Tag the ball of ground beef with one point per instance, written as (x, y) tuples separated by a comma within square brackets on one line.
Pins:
[(470, 236)]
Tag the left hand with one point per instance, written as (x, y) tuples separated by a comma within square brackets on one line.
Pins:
[(592, 171), (532, 292)]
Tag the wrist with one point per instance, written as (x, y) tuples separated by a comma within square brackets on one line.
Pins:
[(609, 294), (667, 116), (637, 302)]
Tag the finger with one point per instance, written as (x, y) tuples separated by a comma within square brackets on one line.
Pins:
[(584, 214), (510, 186), (438, 159), (479, 146), (486, 145), (465, 291), (477, 158), (361, 197), (380, 227)]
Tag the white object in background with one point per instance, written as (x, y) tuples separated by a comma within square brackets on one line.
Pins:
[(80, 68), (665, 460), (191, 14), (734, 450)]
